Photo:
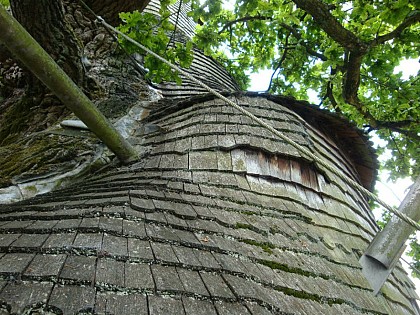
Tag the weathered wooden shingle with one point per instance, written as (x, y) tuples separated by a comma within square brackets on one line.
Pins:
[(139, 250), (72, 299), (22, 295), (138, 276), (166, 279), (250, 228), (15, 263), (114, 303), (79, 269), (45, 266), (162, 305), (216, 286)]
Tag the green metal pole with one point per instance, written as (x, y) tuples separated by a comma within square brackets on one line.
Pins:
[(26, 49)]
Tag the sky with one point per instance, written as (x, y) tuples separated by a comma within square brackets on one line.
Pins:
[(390, 192)]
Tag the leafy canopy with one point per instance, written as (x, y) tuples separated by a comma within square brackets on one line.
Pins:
[(344, 51), (156, 33)]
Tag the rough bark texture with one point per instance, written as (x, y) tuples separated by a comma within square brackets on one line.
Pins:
[(46, 21), (109, 79), (87, 53), (110, 9), (322, 15), (112, 82)]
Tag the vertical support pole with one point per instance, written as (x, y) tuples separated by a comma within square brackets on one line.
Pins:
[(37, 60), (386, 248)]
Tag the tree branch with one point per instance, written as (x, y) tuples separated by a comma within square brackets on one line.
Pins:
[(397, 124), (110, 9), (329, 92), (411, 19), (352, 79), (245, 19), (355, 48), (321, 14), (295, 33), (408, 133), (298, 36), (283, 57)]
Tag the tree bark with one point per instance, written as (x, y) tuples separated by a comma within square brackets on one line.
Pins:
[(46, 21), (86, 52), (110, 9), (28, 51)]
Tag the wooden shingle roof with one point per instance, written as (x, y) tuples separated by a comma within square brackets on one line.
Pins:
[(218, 217)]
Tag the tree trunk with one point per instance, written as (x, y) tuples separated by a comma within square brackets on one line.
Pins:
[(218, 216), (47, 22), (30, 148), (86, 52)]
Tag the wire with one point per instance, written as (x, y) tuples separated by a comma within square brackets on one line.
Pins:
[(301, 149), (411, 265)]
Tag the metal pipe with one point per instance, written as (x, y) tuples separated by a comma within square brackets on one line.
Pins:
[(388, 242), (386, 248), (37, 60)]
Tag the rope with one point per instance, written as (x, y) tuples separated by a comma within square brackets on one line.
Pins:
[(301, 149), (411, 265)]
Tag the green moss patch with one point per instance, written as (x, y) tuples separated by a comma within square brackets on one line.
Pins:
[(40, 155), (265, 246)]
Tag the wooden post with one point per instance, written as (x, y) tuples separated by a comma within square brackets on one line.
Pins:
[(37, 60)]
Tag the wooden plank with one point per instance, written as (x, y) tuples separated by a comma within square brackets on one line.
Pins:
[(32, 241), (71, 299), (134, 228), (216, 286), (138, 276), (114, 245), (138, 249), (7, 239), (15, 262), (166, 279), (164, 305), (110, 272), (22, 294), (111, 224), (192, 282), (56, 241), (79, 268), (193, 306), (118, 304), (45, 266), (88, 241)]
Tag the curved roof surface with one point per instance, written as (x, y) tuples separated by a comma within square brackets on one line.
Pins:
[(218, 217)]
